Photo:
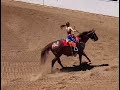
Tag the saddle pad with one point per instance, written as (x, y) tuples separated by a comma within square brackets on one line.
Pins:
[(65, 43), (72, 44), (77, 38)]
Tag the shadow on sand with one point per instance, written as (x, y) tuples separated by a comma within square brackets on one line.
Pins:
[(83, 67)]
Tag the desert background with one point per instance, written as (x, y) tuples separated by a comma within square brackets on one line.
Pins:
[(27, 28)]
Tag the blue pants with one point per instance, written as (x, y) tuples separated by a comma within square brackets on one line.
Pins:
[(71, 37)]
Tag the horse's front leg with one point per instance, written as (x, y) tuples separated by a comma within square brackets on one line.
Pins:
[(80, 58), (60, 63), (86, 57)]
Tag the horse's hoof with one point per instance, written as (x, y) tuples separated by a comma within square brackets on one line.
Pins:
[(89, 63), (52, 71), (74, 65)]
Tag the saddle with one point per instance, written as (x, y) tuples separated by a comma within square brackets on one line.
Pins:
[(70, 43)]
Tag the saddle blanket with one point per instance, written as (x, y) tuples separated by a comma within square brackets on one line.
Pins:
[(71, 43)]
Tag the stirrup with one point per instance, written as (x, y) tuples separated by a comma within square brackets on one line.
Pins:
[(75, 49)]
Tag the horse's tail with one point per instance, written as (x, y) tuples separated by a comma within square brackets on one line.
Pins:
[(45, 52)]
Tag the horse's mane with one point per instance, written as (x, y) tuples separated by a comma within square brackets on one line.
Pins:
[(83, 33)]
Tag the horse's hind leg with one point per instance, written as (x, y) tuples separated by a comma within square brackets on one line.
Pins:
[(53, 62), (60, 63)]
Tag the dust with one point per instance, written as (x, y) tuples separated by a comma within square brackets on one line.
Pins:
[(27, 28)]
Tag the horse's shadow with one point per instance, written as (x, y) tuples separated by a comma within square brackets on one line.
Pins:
[(83, 67)]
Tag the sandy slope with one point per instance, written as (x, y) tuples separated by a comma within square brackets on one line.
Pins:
[(27, 28)]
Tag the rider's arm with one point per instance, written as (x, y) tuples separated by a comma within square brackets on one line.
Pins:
[(72, 29)]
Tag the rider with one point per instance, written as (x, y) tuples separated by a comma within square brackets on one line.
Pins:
[(70, 34)]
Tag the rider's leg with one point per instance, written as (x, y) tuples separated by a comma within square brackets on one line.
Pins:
[(71, 40), (69, 43), (74, 39)]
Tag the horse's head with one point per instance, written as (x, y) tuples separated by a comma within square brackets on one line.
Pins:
[(91, 34), (88, 34)]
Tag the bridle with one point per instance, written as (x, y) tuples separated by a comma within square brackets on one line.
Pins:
[(93, 32)]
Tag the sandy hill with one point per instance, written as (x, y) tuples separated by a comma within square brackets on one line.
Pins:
[(27, 28)]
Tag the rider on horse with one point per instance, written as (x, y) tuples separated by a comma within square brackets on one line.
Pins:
[(71, 39)]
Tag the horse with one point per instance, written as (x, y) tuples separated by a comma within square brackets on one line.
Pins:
[(58, 48)]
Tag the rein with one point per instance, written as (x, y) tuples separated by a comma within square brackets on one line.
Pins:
[(90, 33)]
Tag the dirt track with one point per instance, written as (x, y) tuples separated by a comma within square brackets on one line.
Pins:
[(27, 28)]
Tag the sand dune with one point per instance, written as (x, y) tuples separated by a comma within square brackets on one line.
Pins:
[(27, 28)]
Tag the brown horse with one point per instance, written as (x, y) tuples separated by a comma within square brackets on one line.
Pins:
[(58, 48)]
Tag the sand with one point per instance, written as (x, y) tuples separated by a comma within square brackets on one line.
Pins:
[(27, 28)]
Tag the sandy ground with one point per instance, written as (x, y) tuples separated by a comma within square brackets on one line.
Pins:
[(27, 28)]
